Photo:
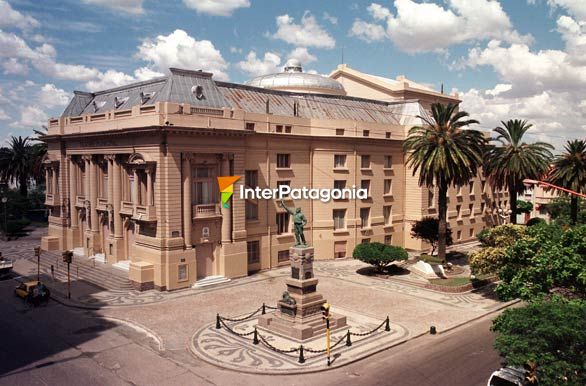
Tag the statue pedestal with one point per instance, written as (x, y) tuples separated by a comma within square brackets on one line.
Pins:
[(299, 312)]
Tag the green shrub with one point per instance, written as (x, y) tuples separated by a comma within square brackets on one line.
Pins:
[(524, 207), (535, 221), (482, 236), (503, 235), (488, 260), (16, 226), (378, 254)]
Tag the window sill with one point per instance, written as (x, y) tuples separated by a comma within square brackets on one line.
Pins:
[(284, 235), (341, 231), (388, 195), (284, 169), (388, 169), (341, 170), (366, 169)]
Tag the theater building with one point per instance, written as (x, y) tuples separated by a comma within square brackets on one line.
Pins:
[(131, 172)]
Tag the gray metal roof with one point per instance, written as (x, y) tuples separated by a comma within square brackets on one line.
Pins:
[(179, 87)]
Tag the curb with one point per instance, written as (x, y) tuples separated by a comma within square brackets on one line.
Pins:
[(192, 350)]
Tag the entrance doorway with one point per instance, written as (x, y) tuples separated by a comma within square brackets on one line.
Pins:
[(205, 260)]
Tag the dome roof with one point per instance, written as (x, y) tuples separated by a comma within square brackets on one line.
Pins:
[(294, 79)]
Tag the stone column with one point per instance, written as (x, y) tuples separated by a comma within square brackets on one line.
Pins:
[(86, 181), (47, 178), (73, 193), (54, 181), (117, 197), (149, 197), (187, 216), (226, 212), (93, 194), (110, 160)]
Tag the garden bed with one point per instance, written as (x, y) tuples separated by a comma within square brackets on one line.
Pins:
[(459, 284)]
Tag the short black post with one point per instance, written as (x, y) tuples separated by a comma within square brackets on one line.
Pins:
[(387, 324), (301, 357), (348, 341), (255, 338), (432, 330), (263, 309), (218, 325)]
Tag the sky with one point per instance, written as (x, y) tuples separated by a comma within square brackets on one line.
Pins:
[(506, 59)]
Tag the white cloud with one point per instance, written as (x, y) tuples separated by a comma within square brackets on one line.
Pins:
[(3, 115), (576, 8), (145, 73), (31, 117), (426, 27), (178, 49), (378, 11), (13, 66), (133, 7), (235, 50), (217, 7), (308, 33), (51, 96), (254, 66), (301, 54), (499, 89), (332, 19), (573, 33), (13, 18), (370, 32)]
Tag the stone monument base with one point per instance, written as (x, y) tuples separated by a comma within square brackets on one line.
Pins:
[(299, 314)]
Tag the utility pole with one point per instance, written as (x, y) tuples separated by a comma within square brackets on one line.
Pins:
[(325, 310), (67, 258)]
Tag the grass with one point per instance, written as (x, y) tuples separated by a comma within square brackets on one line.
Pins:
[(431, 259), (451, 282)]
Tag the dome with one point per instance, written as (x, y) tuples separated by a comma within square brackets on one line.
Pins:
[(294, 79)]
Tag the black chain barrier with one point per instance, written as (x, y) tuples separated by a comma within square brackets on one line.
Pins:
[(257, 337)]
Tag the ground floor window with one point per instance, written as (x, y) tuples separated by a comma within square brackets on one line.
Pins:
[(339, 222), (282, 223), (182, 272), (389, 239), (283, 256), (253, 251), (339, 249)]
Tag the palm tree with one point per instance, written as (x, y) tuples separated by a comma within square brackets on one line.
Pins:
[(512, 160), (445, 154), (569, 171), (20, 162)]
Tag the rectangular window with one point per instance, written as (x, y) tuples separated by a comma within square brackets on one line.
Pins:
[(249, 126), (339, 161), (471, 233), (388, 135), (288, 129), (388, 214), (366, 133), (482, 208), (430, 198), (389, 239), (459, 235), (282, 223), (283, 256), (459, 211), (283, 161), (471, 187), (482, 186), (365, 184), (339, 184), (279, 128), (283, 183), (471, 208), (365, 241), (388, 162), (182, 272), (365, 217), (251, 210), (253, 252), (388, 188), (251, 178), (204, 191), (339, 219), (339, 249), (339, 131), (365, 161)]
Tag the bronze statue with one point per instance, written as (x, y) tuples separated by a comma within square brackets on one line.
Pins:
[(299, 222)]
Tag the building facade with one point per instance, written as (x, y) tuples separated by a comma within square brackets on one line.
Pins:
[(131, 175)]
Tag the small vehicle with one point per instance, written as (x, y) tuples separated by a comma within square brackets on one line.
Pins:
[(33, 292), (511, 376), (5, 267)]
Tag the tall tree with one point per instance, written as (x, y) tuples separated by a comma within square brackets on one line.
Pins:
[(444, 153), (512, 160), (569, 171), (20, 162)]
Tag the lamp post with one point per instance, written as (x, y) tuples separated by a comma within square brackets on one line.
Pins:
[(38, 255), (4, 201)]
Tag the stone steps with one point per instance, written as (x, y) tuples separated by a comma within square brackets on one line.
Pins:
[(101, 275), (210, 281)]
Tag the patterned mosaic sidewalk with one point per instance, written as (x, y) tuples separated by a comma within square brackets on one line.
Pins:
[(225, 349)]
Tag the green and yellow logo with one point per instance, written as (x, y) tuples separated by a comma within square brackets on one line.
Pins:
[(226, 185)]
